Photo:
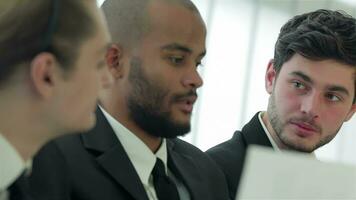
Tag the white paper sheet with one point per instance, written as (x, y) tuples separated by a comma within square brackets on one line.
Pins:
[(269, 174)]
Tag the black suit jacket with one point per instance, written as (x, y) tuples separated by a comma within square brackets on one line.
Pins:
[(19, 189), (230, 155), (95, 166)]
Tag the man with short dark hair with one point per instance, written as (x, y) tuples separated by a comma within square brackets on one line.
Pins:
[(311, 82), (51, 71), (133, 152)]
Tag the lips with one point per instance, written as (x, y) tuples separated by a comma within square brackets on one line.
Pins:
[(186, 103), (305, 129)]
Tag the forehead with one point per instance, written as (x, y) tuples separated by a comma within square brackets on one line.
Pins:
[(328, 72), (171, 23)]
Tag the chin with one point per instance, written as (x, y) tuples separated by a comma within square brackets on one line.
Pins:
[(182, 122), (86, 125), (91, 122), (301, 146), (183, 118)]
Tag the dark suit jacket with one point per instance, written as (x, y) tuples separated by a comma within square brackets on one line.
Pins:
[(230, 155), (95, 166), (19, 189)]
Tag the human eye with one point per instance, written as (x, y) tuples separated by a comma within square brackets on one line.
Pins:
[(298, 85), (176, 60), (332, 97)]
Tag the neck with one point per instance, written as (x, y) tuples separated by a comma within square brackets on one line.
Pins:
[(21, 126)]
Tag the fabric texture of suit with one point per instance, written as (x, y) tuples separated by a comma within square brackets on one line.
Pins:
[(230, 155), (19, 190), (95, 166)]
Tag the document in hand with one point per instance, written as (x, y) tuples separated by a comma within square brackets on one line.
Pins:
[(269, 174)]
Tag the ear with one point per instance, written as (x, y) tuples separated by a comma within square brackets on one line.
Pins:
[(114, 61), (42, 71), (351, 112), (270, 77)]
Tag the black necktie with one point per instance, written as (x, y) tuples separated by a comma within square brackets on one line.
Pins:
[(19, 189), (164, 186)]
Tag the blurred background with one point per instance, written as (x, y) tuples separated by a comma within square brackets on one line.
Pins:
[(240, 42)]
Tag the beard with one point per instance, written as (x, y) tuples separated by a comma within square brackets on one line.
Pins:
[(146, 104), (279, 125)]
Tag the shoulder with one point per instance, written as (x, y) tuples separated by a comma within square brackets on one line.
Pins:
[(197, 158), (184, 147), (189, 150), (51, 158), (229, 156), (60, 153), (62, 145), (195, 154), (212, 179), (230, 149)]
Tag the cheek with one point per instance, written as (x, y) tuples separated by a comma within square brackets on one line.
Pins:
[(286, 100), (89, 87), (165, 96), (334, 117), (163, 84)]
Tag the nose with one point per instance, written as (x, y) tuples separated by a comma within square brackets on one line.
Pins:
[(192, 79), (311, 105)]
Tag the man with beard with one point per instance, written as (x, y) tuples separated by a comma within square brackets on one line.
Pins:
[(133, 152), (311, 82)]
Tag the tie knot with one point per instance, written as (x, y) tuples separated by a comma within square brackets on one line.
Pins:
[(159, 169)]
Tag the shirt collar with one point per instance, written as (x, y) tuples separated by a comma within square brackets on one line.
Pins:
[(142, 158), (12, 164), (274, 145)]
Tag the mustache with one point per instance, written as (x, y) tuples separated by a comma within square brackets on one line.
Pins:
[(179, 97)]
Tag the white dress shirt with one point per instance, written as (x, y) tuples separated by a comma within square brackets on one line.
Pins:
[(143, 159), (274, 145), (11, 166)]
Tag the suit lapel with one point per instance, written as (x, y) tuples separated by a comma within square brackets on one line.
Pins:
[(253, 133), (113, 158), (184, 168), (118, 165)]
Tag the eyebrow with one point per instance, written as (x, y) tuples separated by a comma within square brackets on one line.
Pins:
[(341, 89), (179, 47), (333, 88), (302, 75)]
